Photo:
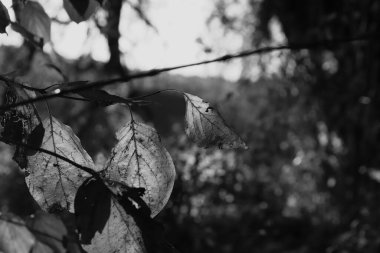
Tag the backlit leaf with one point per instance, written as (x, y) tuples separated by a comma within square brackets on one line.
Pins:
[(52, 181), (120, 234), (140, 160), (206, 127), (4, 18), (80, 11), (34, 19)]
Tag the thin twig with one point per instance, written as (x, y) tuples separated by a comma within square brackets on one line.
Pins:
[(155, 93), (154, 72), (81, 167), (13, 82)]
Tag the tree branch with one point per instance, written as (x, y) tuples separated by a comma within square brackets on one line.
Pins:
[(112, 32)]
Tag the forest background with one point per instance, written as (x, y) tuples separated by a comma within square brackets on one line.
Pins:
[(310, 181)]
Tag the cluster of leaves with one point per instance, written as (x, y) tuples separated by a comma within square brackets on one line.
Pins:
[(34, 24), (113, 206), (41, 232)]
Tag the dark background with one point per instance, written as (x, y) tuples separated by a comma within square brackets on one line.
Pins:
[(310, 181)]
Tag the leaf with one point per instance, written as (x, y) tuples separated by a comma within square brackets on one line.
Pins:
[(152, 231), (102, 97), (121, 234), (42, 233), (81, 10), (34, 19), (50, 231), (52, 181), (142, 233), (80, 6), (20, 124), (14, 236), (205, 126), (4, 18), (35, 139), (39, 247), (139, 160), (92, 209), (104, 224)]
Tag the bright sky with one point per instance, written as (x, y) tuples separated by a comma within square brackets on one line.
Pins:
[(180, 24)]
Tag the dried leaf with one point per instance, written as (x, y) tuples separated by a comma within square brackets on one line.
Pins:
[(206, 127), (34, 18), (139, 160), (80, 11), (4, 18), (53, 182), (14, 235), (120, 234), (20, 124)]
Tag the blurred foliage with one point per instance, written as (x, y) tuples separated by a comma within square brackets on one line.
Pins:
[(337, 93), (310, 180)]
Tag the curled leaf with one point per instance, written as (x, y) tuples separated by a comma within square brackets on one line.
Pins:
[(206, 127), (140, 160), (4, 18), (82, 10), (34, 19), (53, 182)]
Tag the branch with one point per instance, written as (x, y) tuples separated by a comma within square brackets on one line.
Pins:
[(18, 84), (68, 88), (81, 167), (138, 9), (112, 33)]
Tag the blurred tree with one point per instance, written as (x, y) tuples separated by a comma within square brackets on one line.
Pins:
[(344, 84)]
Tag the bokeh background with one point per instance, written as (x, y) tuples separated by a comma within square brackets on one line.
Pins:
[(310, 181)]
